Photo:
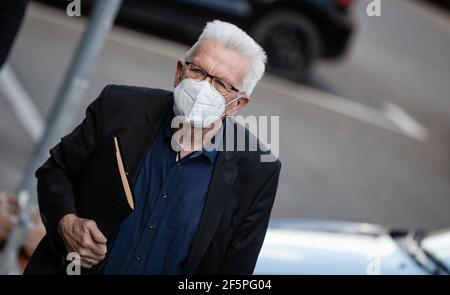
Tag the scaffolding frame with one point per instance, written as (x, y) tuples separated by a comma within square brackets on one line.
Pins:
[(61, 120)]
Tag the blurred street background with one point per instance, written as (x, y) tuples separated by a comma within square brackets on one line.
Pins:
[(366, 138)]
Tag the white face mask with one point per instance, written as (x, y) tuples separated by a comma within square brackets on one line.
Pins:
[(199, 103)]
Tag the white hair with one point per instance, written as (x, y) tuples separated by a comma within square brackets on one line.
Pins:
[(232, 37)]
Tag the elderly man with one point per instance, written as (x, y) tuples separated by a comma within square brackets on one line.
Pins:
[(196, 207)]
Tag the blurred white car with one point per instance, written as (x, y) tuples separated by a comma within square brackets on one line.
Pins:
[(310, 247)]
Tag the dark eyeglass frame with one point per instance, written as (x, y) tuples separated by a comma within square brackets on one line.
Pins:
[(206, 75)]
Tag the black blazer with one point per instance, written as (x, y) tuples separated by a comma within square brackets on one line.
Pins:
[(81, 177), (11, 15)]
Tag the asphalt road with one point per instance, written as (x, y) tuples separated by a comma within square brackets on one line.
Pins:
[(368, 140)]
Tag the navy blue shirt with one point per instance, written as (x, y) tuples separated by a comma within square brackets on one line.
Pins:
[(170, 196)]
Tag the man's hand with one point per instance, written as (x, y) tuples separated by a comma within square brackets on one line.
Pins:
[(8, 209), (84, 237), (34, 236)]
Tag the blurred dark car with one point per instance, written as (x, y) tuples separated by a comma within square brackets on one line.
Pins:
[(442, 3), (294, 33)]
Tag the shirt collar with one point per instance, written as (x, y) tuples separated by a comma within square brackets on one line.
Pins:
[(210, 152)]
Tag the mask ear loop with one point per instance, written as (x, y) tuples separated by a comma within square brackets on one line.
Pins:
[(223, 115), (237, 98)]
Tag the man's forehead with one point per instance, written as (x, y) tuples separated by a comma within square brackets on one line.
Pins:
[(222, 62)]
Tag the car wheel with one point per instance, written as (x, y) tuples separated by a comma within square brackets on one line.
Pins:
[(291, 41)]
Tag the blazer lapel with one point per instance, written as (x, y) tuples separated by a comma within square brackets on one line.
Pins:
[(142, 137)]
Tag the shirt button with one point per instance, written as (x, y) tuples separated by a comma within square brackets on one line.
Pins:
[(138, 258), (152, 226), (164, 195)]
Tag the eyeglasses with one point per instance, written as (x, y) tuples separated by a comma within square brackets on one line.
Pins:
[(195, 72)]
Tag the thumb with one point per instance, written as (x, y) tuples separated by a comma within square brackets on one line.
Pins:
[(96, 234)]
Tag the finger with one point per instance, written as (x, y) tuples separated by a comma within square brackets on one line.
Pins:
[(89, 248), (13, 205), (90, 244), (88, 253), (3, 234), (93, 248), (5, 225), (89, 261), (85, 265), (96, 234), (99, 249)]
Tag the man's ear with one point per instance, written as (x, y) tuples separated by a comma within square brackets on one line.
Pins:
[(236, 106), (178, 73)]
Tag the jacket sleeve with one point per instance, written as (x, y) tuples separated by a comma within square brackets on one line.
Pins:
[(67, 159), (241, 255)]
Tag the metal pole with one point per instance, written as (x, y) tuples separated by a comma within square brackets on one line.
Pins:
[(66, 104)]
